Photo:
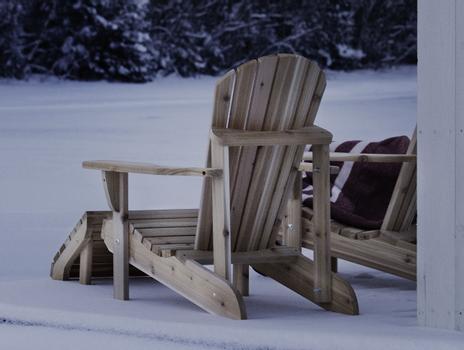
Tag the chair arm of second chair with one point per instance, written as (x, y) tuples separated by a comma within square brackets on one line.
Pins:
[(366, 157), (308, 135)]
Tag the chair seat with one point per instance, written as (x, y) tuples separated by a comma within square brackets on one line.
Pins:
[(165, 232), (335, 227), (388, 251)]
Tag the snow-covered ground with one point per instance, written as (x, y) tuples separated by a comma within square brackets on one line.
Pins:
[(48, 128)]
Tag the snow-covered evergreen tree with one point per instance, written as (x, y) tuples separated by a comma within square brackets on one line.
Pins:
[(208, 37), (315, 29), (184, 35), (12, 60), (40, 47), (134, 40), (95, 39), (386, 31)]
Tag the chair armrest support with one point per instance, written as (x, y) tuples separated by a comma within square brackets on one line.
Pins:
[(313, 135), (115, 182), (365, 157), (147, 168)]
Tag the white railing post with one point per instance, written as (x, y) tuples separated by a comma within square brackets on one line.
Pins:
[(440, 275)]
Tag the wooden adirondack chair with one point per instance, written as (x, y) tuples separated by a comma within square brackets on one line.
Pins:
[(392, 248), (263, 116)]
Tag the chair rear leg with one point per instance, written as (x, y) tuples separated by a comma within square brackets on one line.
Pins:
[(334, 264), (241, 279), (85, 263), (299, 276)]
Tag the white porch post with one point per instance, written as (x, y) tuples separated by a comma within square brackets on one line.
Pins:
[(441, 163)]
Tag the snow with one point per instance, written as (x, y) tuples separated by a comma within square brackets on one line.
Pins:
[(47, 128)]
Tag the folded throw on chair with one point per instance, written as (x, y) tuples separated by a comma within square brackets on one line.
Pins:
[(361, 191)]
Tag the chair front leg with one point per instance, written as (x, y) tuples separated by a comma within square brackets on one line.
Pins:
[(221, 211), (292, 229), (116, 188), (321, 219)]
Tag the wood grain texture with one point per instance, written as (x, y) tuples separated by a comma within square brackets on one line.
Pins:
[(299, 277), (66, 259), (70, 250), (303, 136), (121, 241), (147, 168), (308, 167), (291, 158), (262, 119), (401, 209), (241, 278), (185, 276), (386, 251), (85, 263), (263, 256), (293, 229), (110, 181), (221, 110), (365, 157), (321, 204), (280, 115), (389, 249), (258, 108), (375, 253), (246, 76), (221, 212)]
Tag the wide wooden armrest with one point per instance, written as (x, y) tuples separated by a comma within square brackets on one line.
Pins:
[(147, 168), (313, 135), (365, 157)]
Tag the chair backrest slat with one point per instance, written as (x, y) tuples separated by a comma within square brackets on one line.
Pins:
[(272, 93), (257, 112), (244, 85), (286, 90), (402, 208), (221, 109), (311, 94)]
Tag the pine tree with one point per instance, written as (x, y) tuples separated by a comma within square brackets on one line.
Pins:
[(386, 31), (12, 60), (198, 37), (183, 35), (133, 40), (94, 39), (41, 46)]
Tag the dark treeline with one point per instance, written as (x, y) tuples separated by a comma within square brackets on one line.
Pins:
[(136, 40)]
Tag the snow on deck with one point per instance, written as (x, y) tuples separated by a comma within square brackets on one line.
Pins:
[(48, 128)]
